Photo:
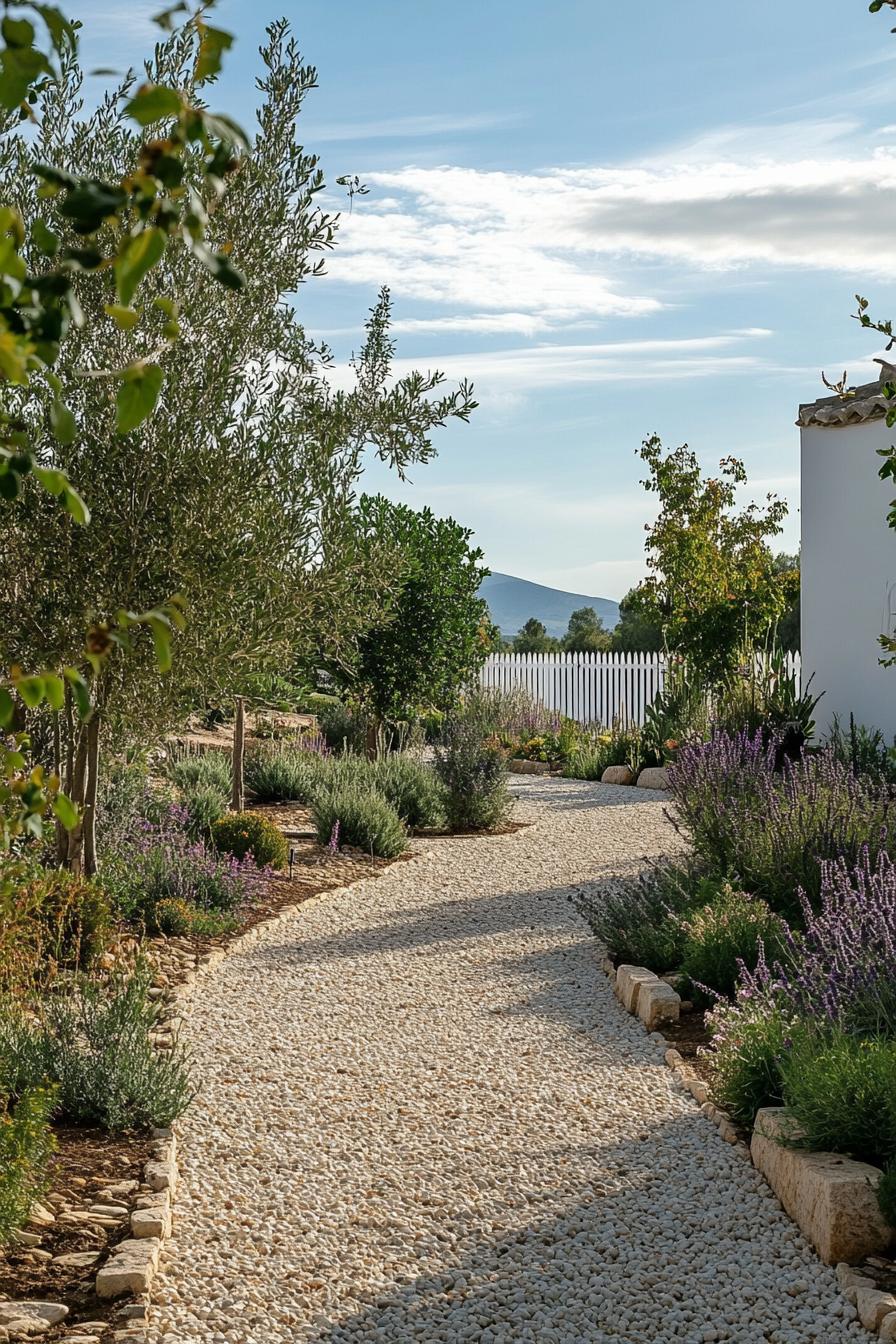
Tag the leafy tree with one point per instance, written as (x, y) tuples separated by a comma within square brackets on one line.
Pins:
[(713, 586), (436, 630), (586, 632), (635, 631), (534, 638), (39, 306), (238, 491), (788, 632)]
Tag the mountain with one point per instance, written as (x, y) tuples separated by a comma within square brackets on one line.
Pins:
[(512, 601)]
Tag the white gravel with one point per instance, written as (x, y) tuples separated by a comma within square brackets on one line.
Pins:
[(423, 1116)]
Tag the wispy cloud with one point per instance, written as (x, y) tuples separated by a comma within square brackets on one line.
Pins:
[(528, 252), (408, 128), (527, 368)]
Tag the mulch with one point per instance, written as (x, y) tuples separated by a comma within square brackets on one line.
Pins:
[(86, 1161)]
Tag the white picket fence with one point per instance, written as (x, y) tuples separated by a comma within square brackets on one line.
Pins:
[(588, 687)]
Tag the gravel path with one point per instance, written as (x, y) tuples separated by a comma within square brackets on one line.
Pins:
[(424, 1118)]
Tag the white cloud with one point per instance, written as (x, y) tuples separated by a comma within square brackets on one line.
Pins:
[(556, 246)]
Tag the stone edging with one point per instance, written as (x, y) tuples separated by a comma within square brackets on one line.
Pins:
[(646, 996), (132, 1264)]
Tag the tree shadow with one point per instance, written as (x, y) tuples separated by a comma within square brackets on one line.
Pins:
[(570, 795), (664, 1233)]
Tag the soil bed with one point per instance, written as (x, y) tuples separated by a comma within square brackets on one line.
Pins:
[(87, 1163)]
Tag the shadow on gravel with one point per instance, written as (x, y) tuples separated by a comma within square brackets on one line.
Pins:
[(561, 983), (569, 795), (639, 1240)]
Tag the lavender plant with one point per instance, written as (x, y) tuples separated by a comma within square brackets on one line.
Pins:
[(841, 967), (770, 823), (159, 862)]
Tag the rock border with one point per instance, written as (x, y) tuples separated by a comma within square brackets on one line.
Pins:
[(638, 991)]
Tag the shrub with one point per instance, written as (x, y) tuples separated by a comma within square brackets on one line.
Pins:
[(92, 1041), (284, 776), (413, 789), (176, 918), (593, 754), (731, 931), (639, 920), (748, 1040), (26, 1145), (250, 835), (841, 1091), (863, 750), (841, 966), (771, 830), (207, 769), (74, 917), (162, 863), (125, 799), (343, 729), (362, 819), (761, 695), (173, 917), (204, 806), (474, 776)]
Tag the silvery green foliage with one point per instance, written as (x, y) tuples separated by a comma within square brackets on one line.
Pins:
[(238, 492)]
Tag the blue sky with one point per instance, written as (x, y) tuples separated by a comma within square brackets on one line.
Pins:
[(616, 219)]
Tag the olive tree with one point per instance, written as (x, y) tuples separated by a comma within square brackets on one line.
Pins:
[(237, 493)]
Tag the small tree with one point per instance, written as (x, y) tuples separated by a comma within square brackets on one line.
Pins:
[(435, 630), (235, 487), (534, 638), (586, 632), (636, 631), (713, 586)]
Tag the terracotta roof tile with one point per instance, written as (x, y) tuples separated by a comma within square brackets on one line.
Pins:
[(863, 403)]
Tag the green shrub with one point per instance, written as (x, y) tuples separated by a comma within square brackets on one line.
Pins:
[(747, 1042), (841, 1091), (26, 1145), (474, 776), (207, 769), (92, 1042), (640, 920), (174, 917), (732, 928), (287, 775), (362, 819), (250, 834), (205, 805), (413, 789), (594, 752), (864, 750), (49, 917), (886, 1193), (343, 729), (177, 918)]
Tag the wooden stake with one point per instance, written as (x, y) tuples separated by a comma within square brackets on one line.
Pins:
[(239, 747)]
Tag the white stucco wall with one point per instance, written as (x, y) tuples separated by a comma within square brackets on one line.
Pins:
[(848, 572)]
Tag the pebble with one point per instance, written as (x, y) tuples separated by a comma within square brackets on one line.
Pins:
[(423, 1116)]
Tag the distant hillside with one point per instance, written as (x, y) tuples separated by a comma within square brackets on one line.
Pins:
[(512, 601)]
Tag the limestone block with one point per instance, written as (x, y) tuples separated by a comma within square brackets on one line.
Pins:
[(629, 980), (130, 1268), (657, 1003), (654, 777), (832, 1198), (618, 774)]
